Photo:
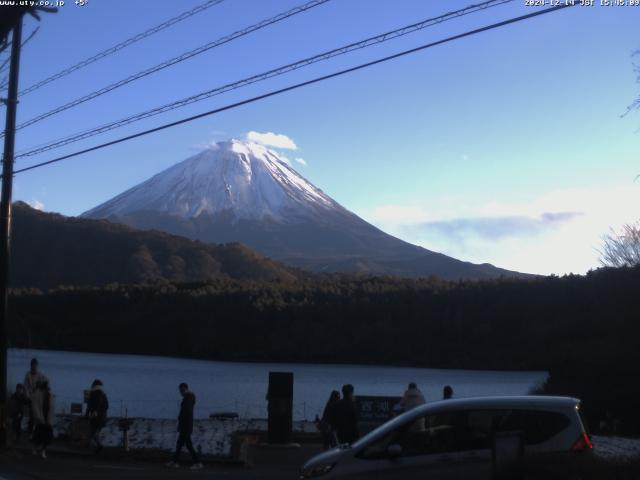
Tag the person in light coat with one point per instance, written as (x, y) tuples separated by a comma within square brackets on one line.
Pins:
[(43, 408), (31, 379), (411, 399)]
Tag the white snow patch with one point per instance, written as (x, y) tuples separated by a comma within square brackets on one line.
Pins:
[(245, 178), (210, 437), (616, 448), (38, 205)]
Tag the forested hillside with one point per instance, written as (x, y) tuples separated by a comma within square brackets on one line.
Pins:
[(583, 329)]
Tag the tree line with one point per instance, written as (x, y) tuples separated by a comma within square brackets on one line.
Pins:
[(584, 330)]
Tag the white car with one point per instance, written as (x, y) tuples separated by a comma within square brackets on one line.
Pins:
[(460, 439)]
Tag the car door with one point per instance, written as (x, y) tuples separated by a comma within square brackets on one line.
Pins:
[(450, 445)]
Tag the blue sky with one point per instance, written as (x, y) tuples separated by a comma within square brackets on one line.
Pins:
[(507, 147)]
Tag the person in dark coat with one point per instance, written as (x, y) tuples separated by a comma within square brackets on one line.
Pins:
[(345, 417), (19, 401), (185, 428), (447, 392), (97, 407), (326, 423)]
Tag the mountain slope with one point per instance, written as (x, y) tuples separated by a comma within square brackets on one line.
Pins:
[(50, 250), (244, 192)]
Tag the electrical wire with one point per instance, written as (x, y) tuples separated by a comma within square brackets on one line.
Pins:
[(5, 64), (300, 85), (173, 61), (116, 48), (263, 76)]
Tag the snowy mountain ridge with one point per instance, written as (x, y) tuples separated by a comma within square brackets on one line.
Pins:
[(238, 191), (244, 178)]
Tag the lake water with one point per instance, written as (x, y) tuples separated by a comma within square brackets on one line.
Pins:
[(147, 386)]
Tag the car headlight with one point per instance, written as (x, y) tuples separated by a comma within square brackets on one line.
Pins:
[(316, 471)]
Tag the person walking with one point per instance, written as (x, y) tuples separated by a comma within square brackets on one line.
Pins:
[(326, 424), (42, 407), (97, 407), (185, 428), (345, 416), (447, 392), (31, 379), (19, 402)]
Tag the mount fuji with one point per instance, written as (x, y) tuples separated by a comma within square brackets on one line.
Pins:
[(238, 191)]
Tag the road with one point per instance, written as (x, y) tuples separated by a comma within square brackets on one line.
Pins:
[(269, 464)]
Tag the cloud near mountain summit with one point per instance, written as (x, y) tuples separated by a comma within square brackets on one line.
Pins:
[(271, 139)]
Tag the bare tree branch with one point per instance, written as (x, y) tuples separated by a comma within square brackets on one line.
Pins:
[(621, 249), (636, 68)]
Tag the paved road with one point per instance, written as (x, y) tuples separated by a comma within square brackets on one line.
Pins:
[(270, 464)]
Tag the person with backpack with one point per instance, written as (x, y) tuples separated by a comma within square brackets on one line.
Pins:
[(97, 407)]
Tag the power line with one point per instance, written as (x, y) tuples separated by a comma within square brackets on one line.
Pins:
[(121, 45), (264, 76), (300, 85), (180, 58), (5, 64), (5, 82)]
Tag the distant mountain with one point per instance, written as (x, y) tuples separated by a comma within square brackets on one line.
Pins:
[(50, 250), (243, 192)]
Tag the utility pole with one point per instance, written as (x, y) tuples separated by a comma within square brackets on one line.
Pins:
[(5, 219)]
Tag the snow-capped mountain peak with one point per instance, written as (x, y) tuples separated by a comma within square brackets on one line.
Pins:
[(244, 179)]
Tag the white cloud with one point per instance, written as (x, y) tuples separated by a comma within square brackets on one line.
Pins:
[(38, 205), (557, 232), (301, 161), (198, 147), (271, 139)]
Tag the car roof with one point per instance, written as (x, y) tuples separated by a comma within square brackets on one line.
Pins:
[(492, 402), (522, 401)]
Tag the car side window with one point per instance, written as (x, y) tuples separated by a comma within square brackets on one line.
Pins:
[(445, 432), (537, 425)]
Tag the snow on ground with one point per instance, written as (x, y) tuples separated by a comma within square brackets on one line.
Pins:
[(214, 437), (210, 437), (616, 448)]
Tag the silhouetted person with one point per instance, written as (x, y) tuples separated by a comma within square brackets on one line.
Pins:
[(345, 417), (97, 407), (30, 383), (19, 402), (447, 392), (326, 424), (43, 412), (412, 398), (185, 428)]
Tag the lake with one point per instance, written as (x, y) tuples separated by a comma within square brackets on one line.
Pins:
[(144, 386)]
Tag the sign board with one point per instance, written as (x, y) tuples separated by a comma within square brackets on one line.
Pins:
[(373, 409)]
